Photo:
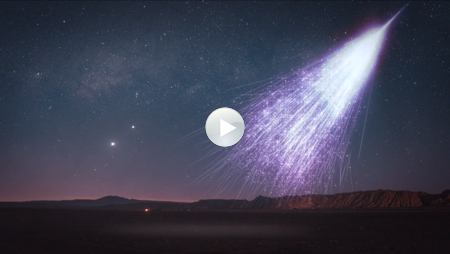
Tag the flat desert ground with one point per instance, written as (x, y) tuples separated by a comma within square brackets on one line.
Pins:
[(102, 231)]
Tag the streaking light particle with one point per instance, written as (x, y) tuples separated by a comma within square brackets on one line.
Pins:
[(299, 128)]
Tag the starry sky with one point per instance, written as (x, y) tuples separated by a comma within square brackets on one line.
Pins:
[(97, 98)]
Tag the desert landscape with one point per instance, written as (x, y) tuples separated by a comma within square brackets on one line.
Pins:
[(380, 222), (224, 127)]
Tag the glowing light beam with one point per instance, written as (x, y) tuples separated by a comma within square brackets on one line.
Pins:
[(298, 129)]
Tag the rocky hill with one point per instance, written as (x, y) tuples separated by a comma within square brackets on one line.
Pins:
[(353, 200)]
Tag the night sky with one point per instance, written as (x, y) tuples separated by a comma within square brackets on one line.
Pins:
[(96, 97)]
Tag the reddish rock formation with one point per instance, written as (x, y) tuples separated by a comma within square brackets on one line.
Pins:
[(354, 200)]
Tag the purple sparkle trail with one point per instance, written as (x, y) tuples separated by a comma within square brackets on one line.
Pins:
[(298, 130)]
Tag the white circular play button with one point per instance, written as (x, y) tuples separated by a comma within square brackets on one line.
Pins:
[(225, 127)]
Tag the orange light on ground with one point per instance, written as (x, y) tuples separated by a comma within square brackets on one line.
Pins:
[(146, 210)]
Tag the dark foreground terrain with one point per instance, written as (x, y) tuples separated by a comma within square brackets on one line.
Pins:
[(102, 231)]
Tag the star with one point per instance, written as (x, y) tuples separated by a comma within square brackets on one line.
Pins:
[(113, 144)]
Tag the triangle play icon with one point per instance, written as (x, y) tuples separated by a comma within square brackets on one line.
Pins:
[(225, 128)]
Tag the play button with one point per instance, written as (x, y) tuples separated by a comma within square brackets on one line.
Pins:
[(225, 127)]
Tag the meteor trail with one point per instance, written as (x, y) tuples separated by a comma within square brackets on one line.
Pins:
[(392, 19), (299, 128)]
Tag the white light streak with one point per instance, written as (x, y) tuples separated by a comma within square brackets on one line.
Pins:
[(298, 130)]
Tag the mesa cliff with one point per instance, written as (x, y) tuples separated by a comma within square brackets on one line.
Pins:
[(352, 200)]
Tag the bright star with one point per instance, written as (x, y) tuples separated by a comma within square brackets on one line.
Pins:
[(113, 144)]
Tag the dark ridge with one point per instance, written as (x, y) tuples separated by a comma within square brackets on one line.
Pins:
[(354, 200), (115, 200)]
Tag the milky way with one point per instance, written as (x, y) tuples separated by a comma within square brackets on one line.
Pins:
[(77, 76)]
